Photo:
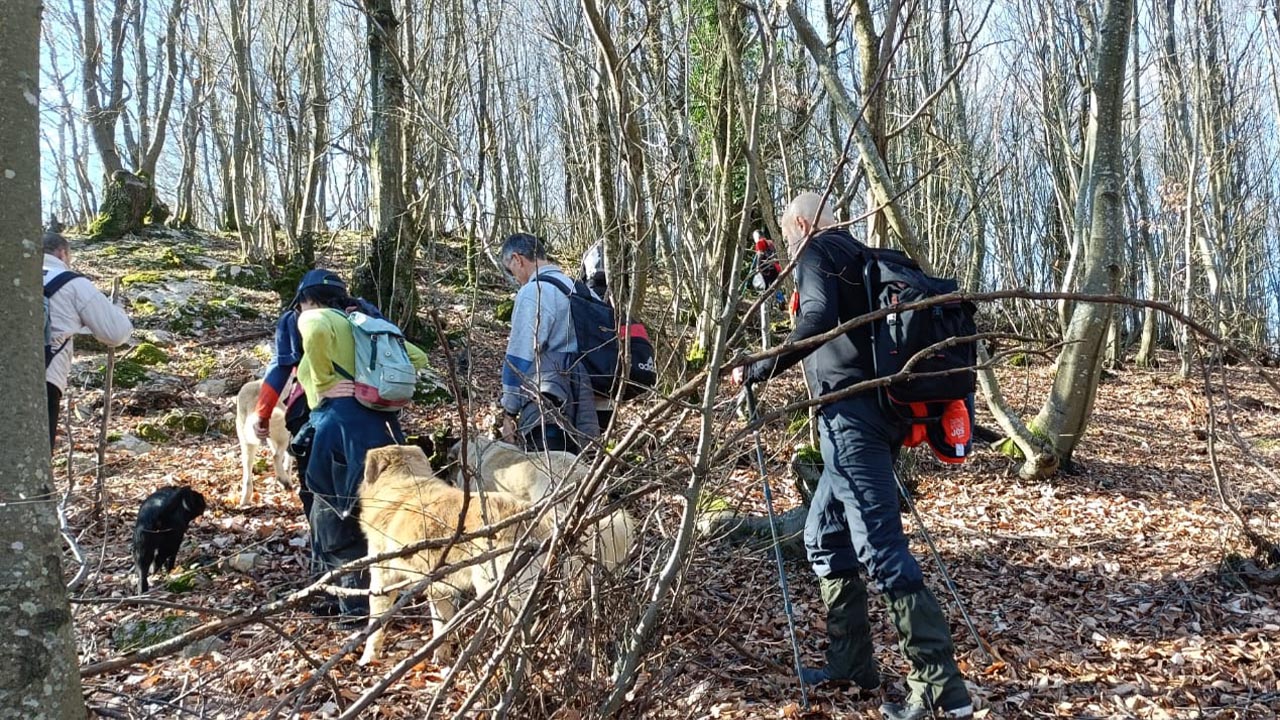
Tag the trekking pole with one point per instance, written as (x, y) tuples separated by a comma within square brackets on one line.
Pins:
[(777, 547), (942, 567)]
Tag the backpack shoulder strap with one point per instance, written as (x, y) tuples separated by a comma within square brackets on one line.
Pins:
[(58, 281), (553, 281)]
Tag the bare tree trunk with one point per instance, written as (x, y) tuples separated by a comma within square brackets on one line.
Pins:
[(102, 117), (1145, 357), (40, 678), (387, 273), (243, 91), (1065, 414), (310, 220), (631, 269)]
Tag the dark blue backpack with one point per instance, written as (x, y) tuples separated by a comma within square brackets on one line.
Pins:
[(597, 333), (892, 279)]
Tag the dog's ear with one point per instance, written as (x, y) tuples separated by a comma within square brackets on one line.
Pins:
[(375, 462)]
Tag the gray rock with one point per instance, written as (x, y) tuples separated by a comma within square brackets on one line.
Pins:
[(253, 277), (132, 444), (135, 634), (204, 647), (213, 387), (244, 562)]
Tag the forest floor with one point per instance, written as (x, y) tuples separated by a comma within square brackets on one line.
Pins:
[(1108, 592)]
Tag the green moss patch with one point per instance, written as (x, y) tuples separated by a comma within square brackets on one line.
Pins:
[(696, 357), (136, 634), (144, 277), (151, 432), (504, 310), (188, 422), (128, 373), (149, 354)]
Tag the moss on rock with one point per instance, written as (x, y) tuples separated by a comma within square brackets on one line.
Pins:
[(251, 277), (144, 277), (149, 354), (504, 310), (128, 373), (188, 422), (151, 432), (141, 633)]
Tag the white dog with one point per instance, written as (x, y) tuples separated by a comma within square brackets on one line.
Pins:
[(503, 467), (277, 439)]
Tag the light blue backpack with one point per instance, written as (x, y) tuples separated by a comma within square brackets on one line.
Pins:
[(384, 376)]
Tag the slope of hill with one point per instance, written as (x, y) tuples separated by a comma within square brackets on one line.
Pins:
[(1120, 590)]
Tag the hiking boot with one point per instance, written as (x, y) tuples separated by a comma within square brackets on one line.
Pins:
[(909, 711)]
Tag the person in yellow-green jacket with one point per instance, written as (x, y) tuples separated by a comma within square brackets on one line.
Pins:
[(345, 430)]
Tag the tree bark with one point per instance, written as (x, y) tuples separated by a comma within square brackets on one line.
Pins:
[(387, 273), (38, 667), (1145, 357), (310, 219), (1065, 415), (628, 273)]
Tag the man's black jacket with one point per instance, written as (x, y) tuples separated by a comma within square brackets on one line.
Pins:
[(832, 291)]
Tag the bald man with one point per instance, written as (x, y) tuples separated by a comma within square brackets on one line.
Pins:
[(853, 521)]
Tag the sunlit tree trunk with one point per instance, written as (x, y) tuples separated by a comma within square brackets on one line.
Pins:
[(1065, 415), (40, 679), (387, 273)]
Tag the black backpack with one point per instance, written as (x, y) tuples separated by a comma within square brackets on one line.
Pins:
[(597, 333), (50, 288), (892, 278)]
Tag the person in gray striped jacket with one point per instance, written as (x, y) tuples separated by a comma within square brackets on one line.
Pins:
[(546, 393)]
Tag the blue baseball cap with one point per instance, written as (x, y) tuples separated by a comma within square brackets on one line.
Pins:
[(314, 278)]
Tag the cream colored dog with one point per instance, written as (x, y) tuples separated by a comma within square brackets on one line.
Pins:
[(403, 502), (506, 468), (277, 439)]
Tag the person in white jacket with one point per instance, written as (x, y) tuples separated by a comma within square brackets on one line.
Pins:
[(75, 307)]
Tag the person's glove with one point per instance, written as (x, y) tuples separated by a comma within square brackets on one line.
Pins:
[(740, 376)]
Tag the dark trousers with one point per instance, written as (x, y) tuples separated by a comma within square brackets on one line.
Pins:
[(345, 431), (297, 421), (55, 406), (545, 436), (336, 540), (853, 519)]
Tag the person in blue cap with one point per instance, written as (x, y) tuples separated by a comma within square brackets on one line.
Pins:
[(284, 361), (345, 430), (281, 378)]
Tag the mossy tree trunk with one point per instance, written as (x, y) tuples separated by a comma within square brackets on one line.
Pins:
[(386, 277), (39, 678), (126, 203)]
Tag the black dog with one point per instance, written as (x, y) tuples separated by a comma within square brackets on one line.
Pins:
[(162, 522)]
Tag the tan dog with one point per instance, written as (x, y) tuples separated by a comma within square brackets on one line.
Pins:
[(506, 468), (402, 502), (277, 439)]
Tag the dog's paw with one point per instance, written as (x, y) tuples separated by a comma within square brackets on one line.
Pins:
[(369, 656)]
